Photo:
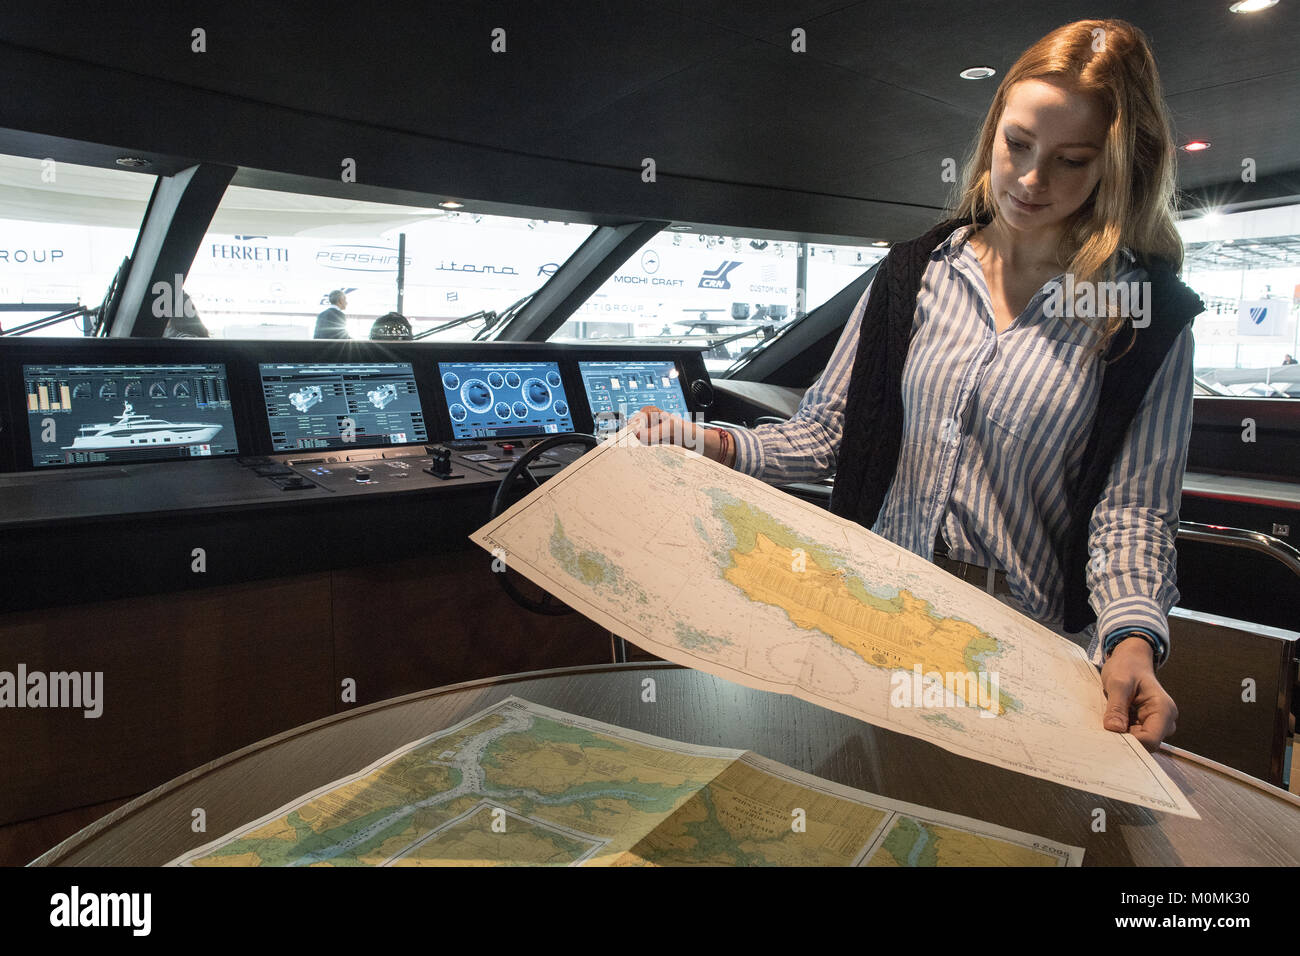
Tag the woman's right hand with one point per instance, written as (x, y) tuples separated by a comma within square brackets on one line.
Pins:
[(654, 426)]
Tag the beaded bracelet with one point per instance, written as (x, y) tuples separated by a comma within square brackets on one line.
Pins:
[(1157, 649)]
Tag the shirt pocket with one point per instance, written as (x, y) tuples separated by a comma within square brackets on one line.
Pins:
[(1037, 390)]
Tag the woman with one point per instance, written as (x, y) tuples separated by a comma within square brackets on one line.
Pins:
[(979, 400)]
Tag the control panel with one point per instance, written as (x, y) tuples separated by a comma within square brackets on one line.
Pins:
[(171, 426)]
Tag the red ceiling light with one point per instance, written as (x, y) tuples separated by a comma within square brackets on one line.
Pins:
[(1196, 146)]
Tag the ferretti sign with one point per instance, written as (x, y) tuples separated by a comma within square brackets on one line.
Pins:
[(248, 252)]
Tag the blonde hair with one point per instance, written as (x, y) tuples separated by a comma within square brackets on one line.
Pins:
[(1133, 202)]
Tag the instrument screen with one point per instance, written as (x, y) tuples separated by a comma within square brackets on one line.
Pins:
[(617, 390), (502, 399), (342, 405), (99, 414)]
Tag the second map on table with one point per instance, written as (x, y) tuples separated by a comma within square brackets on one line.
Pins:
[(521, 784)]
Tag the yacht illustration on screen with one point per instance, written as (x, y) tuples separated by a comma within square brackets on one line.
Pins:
[(131, 431)]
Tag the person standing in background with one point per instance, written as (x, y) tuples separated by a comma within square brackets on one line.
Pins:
[(333, 323)]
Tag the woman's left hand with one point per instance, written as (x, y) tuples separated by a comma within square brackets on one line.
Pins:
[(1135, 701)]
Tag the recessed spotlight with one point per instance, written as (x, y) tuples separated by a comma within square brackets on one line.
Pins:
[(132, 162), (451, 204), (677, 227), (1251, 6), (880, 242), (977, 73), (1196, 146)]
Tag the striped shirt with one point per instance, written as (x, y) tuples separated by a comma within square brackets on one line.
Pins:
[(994, 428)]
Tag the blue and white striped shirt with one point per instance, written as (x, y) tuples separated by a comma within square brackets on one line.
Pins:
[(994, 428)]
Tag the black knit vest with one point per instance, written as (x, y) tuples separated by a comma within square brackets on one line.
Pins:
[(873, 413)]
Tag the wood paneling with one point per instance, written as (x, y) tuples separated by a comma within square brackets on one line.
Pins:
[(1210, 659), (186, 678), (442, 619), (189, 677), (20, 843)]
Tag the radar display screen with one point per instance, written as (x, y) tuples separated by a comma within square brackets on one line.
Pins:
[(501, 399), (100, 414), (341, 405), (618, 390)]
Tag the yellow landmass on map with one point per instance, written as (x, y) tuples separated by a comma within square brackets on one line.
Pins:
[(472, 841), (392, 786), (612, 789), (819, 599), (914, 843), (747, 817)]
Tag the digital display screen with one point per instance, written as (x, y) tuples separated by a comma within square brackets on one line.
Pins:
[(341, 405), (500, 399), (97, 414), (618, 390)]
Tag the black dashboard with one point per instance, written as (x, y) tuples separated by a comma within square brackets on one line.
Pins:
[(130, 464), (71, 403)]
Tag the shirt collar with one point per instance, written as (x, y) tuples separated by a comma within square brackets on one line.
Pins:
[(951, 247)]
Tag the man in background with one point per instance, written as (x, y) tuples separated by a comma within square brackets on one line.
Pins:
[(332, 323)]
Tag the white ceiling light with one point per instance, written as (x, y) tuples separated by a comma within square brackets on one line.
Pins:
[(1251, 6)]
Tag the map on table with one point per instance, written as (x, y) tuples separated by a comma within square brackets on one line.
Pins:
[(521, 784), (715, 570)]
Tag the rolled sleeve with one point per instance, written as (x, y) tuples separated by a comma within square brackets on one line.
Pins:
[(749, 450), (1132, 571)]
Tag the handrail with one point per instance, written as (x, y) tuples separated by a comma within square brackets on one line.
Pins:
[(1241, 538)]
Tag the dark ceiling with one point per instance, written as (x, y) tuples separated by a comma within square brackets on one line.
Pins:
[(844, 140)]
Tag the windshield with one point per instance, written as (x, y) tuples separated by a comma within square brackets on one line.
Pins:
[(64, 231), (278, 265), (724, 294)]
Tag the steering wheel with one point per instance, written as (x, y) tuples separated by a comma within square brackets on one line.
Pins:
[(500, 502)]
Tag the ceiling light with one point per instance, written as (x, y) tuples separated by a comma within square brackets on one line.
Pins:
[(1196, 146), (1251, 6), (977, 73), (132, 162), (451, 204)]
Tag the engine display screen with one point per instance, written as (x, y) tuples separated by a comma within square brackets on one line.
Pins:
[(502, 399), (342, 405)]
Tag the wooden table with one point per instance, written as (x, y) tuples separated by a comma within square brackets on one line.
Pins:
[(1243, 821)]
